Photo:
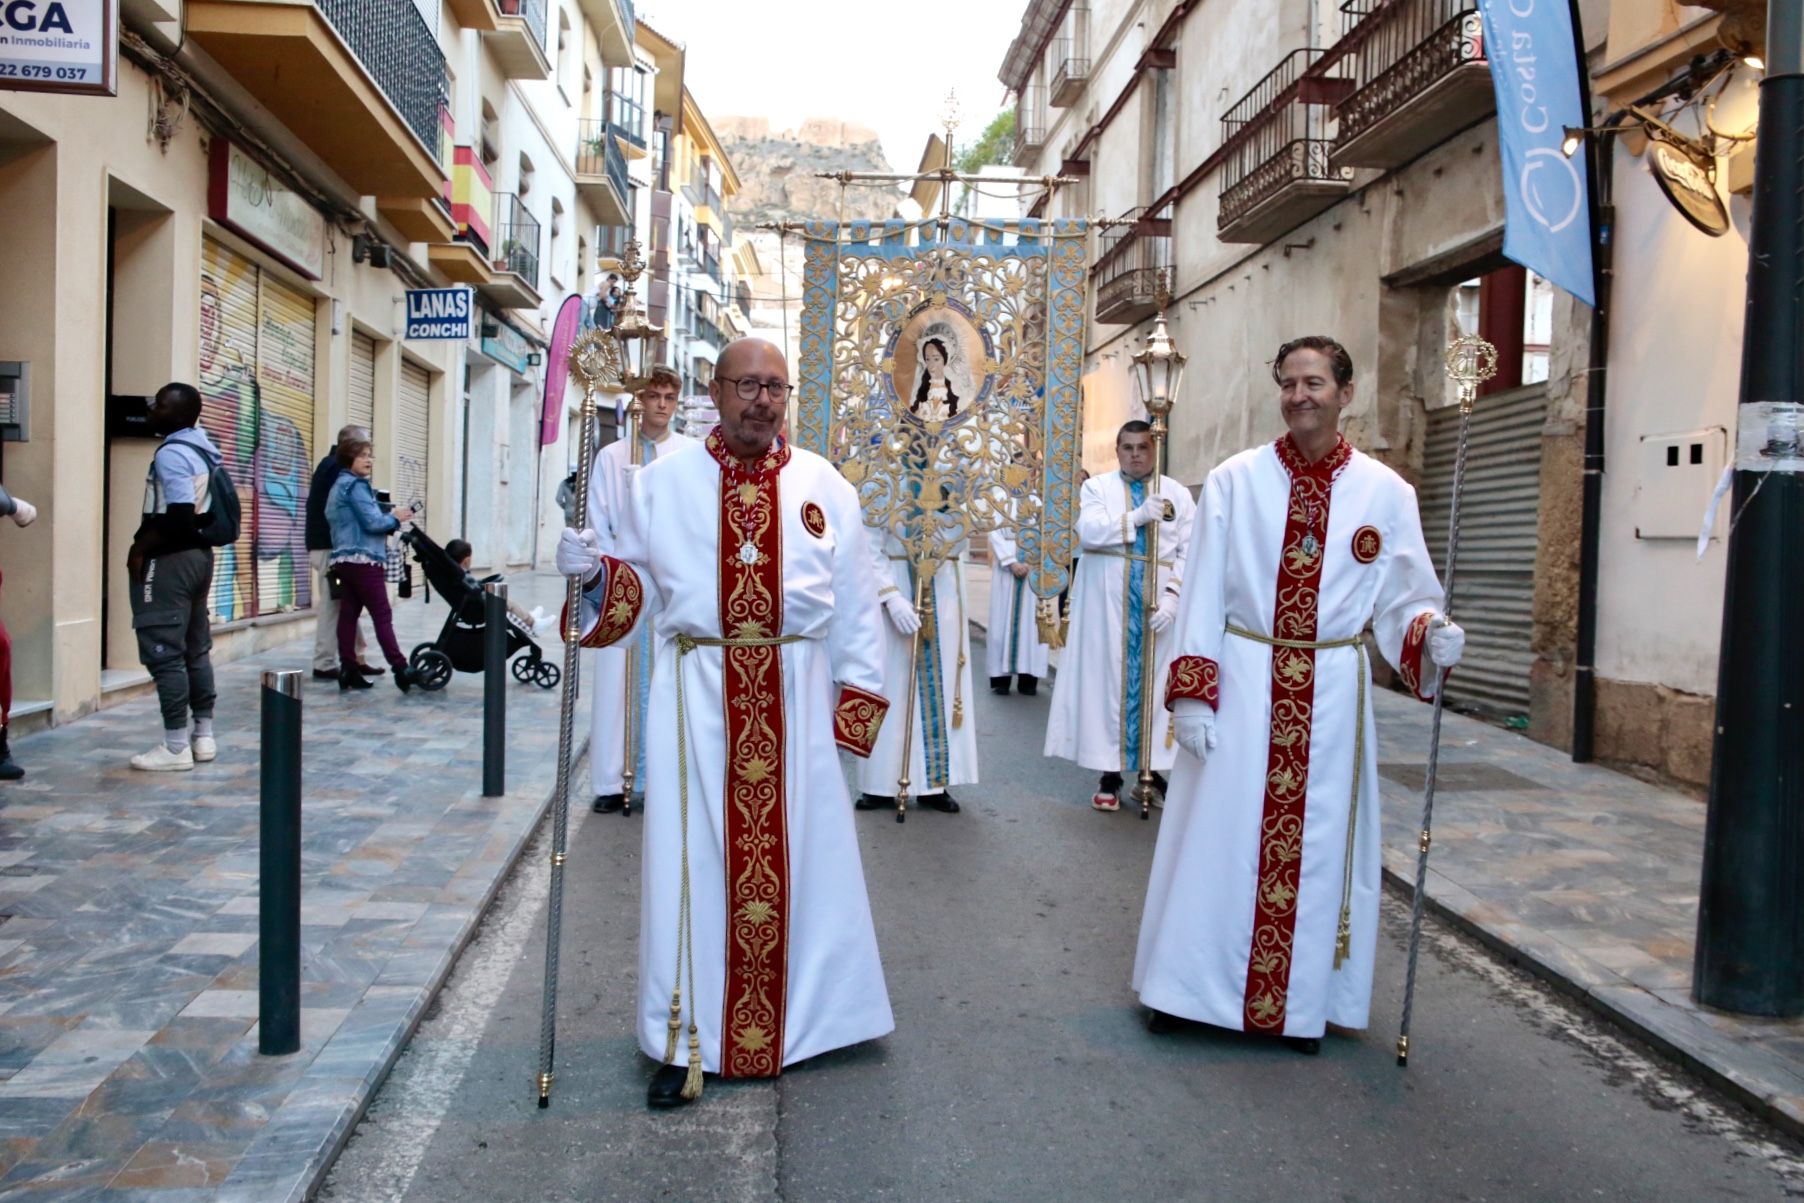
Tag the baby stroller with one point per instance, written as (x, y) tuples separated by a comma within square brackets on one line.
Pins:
[(459, 645)]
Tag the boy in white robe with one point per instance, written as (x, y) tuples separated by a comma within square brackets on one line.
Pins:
[(1262, 908), (1013, 649)]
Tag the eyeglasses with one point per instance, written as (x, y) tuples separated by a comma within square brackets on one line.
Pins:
[(748, 388)]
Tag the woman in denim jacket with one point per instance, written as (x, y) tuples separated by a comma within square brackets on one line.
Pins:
[(360, 532)]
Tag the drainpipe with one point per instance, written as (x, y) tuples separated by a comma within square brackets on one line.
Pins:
[(1603, 225)]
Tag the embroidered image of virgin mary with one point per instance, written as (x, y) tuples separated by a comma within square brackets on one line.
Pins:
[(936, 398), (937, 355)]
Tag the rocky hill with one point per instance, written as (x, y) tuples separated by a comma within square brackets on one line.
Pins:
[(777, 170)]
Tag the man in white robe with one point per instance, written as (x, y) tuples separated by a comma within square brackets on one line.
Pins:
[(1262, 908), (1012, 642), (1116, 607), (608, 483), (748, 556), (942, 749)]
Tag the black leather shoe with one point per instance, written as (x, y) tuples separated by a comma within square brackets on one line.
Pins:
[(874, 802), (325, 674), (1309, 1046), (607, 804), (350, 678), (404, 678), (1161, 1024), (666, 1088), (999, 685), (1030, 685), (370, 670), (944, 803)]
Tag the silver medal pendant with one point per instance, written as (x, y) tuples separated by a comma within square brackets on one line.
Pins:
[(748, 553), (1310, 546)]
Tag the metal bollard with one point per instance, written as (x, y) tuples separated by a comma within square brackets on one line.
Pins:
[(494, 691), (279, 882)]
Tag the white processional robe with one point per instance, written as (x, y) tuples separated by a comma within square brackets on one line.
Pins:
[(1012, 642), (942, 750), (785, 954), (1265, 842), (606, 675), (1097, 696)]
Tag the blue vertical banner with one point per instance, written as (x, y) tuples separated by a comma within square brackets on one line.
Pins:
[(1535, 67)]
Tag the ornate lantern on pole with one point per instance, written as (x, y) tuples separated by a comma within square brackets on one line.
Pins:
[(1158, 375)]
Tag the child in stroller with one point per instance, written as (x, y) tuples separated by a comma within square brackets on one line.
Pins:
[(459, 643)]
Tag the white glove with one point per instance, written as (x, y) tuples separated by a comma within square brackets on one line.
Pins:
[(1446, 641), (24, 513), (902, 616), (1194, 721), (1150, 510), (578, 553), (1164, 615)]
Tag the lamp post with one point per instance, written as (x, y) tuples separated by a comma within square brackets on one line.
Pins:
[(1158, 375)]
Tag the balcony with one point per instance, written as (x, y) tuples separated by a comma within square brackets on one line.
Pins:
[(1070, 76), (601, 173), (614, 24), (1418, 74), (610, 244), (709, 262), (358, 83), (704, 195), (708, 331), (1135, 261), (518, 40), (464, 257), (1278, 174), (625, 118), (1030, 128), (514, 255)]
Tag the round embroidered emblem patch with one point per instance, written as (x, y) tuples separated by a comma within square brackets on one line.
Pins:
[(1367, 544), (814, 519)]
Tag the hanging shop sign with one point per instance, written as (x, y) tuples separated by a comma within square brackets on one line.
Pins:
[(505, 345), (1688, 178), (60, 46), (245, 198), (438, 313)]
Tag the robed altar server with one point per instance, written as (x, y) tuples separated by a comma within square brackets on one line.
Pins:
[(1115, 607), (748, 557), (609, 479), (1262, 908), (942, 749), (1012, 641)]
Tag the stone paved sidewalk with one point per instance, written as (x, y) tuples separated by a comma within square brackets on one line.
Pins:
[(1586, 877), (128, 927)]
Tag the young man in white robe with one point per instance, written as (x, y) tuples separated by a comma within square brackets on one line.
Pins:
[(1262, 908), (1116, 606), (609, 480), (1012, 644), (748, 556), (942, 749)]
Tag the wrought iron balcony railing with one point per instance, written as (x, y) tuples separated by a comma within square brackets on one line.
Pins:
[(398, 49), (516, 246), (710, 263), (598, 154), (1069, 76), (532, 10), (1135, 261), (1396, 51), (1276, 136), (1030, 127)]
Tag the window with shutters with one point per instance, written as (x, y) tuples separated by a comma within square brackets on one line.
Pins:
[(257, 382)]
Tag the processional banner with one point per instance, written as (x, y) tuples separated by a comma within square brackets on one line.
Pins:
[(940, 370)]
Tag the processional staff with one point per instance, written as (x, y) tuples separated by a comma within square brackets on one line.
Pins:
[(603, 361), (1470, 362), (1158, 374)]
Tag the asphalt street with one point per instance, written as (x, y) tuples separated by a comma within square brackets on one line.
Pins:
[(1020, 1068)]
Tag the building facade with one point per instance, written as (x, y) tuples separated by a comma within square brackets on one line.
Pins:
[(1298, 167), (255, 231)]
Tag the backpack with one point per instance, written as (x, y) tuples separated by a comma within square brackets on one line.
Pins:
[(218, 527)]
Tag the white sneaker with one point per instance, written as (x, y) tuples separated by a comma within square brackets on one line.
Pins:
[(543, 624), (161, 760), (205, 748)]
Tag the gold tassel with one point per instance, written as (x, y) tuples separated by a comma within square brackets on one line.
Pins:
[(692, 1085), (1171, 731), (1343, 939), (958, 713), (676, 1025)]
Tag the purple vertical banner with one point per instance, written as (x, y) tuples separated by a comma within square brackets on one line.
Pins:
[(557, 368)]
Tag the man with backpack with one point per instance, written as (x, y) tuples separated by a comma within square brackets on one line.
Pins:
[(190, 507)]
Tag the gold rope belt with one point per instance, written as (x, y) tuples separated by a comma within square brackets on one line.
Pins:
[(692, 1085), (1343, 936), (1123, 553)]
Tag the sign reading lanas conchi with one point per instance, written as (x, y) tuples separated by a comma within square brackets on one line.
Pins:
[(60, 46)]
